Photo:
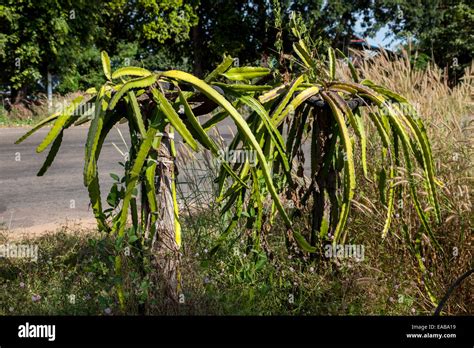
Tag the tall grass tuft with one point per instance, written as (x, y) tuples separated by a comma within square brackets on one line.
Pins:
[(449, 119)]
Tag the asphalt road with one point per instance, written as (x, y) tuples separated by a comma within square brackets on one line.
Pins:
[(27, 200), (59, 196)]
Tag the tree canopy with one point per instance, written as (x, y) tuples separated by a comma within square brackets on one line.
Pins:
[(65, 37)]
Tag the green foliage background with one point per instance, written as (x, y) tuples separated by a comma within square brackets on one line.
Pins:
[(65, 37)]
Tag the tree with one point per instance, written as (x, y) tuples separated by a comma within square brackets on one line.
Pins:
[(37, 38), (237, 28), (151, 103), (41, 37), (309, 101), (442, 29), (334, 115)]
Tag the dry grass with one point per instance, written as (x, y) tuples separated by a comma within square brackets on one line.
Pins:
[(449, 119)]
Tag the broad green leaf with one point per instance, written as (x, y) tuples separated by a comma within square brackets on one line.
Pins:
[(422, 141), (134, 175), (174, 119), (332, 63), (245, 73), (115, 177), (303, 52), (61, 121), (94, 187), (140, 82), (206, 140), (93, 136), (295, 103), (281, 106), (41, 124), (106, 65), (113, 198), (240, 87), (272, 94), (52, 154), (130, 71), (390, 202), (272, 131), (221, 68), (349, 168), (303, 244), (137, 115)]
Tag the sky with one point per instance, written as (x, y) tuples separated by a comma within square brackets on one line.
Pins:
[(379, 39)]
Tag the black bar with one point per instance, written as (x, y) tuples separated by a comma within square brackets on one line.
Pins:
[(289, 331)]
